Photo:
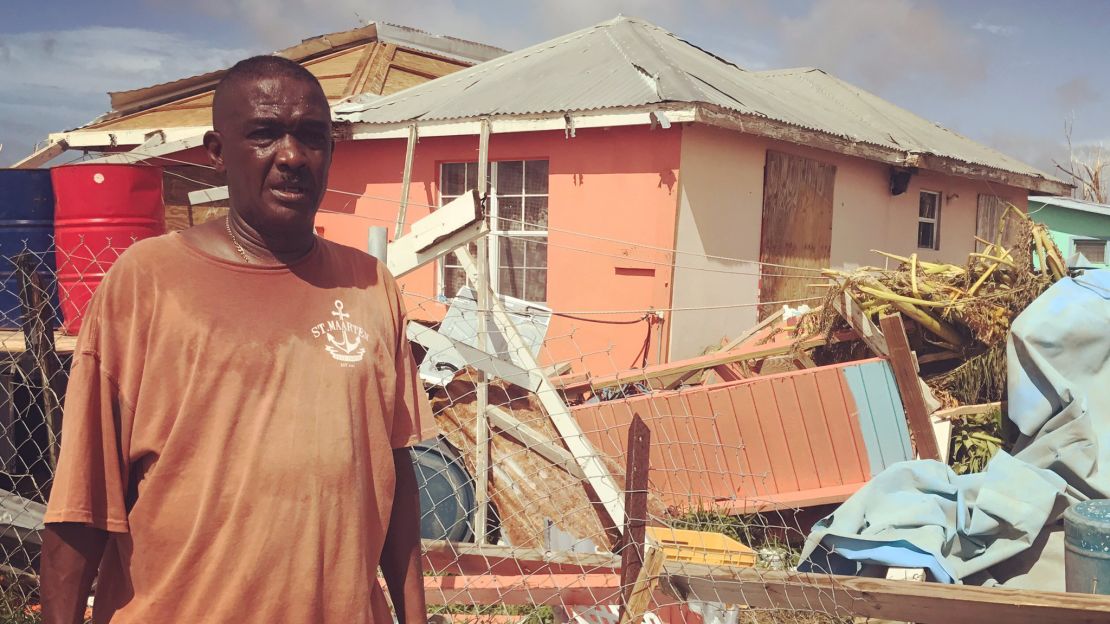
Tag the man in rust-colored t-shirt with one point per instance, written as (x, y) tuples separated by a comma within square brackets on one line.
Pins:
[(239, 403)]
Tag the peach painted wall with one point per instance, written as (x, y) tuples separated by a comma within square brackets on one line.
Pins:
[(720, 211), (616, 183)]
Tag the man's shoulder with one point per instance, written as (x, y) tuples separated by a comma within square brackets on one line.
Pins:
[(358, 262)]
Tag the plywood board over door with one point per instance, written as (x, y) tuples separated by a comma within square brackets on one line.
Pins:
[(797, 228)]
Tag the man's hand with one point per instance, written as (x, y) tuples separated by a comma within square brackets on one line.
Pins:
[(401, 553), (70, 556)]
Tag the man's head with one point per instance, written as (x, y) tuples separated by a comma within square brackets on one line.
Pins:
[(272, 136)]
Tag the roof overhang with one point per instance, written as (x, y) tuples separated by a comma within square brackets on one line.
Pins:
[(101, 140), (714, 116)]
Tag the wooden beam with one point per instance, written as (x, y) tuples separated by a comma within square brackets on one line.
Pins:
[(850, 310), (358, 74), (729, 346), (534, 441), (406, 178), (42, 156), (926, 603), (526, 590), (378, 69), (448, 228), (208, 195), (141, 153), (639, 595), (443, 557), (909, 386), (575, 383), (484, 294), (589, 460)]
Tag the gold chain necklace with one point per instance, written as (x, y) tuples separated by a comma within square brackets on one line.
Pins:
[(235, 241)]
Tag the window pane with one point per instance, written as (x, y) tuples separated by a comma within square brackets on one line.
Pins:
[(535, 177), (454, 180), (512, 253), (1093, 250), (510, 177), (536, 253), (925, 235), (927, 208), (509, 213), (471, 176), (511, 283), (535, 213), (453, 280), (535, 285)]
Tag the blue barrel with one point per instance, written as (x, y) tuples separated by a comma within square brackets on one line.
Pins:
[(26, 225), (1087, 547), (446, 492)]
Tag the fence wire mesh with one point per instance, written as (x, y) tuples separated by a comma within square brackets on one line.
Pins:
[(556, 507)]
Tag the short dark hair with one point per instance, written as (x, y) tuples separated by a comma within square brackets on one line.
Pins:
[(257, 68)]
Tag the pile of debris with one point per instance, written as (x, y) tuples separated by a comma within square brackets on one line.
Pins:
[(957, 317)]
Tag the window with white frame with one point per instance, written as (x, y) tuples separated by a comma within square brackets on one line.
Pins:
[(518, 216), (928, 220)]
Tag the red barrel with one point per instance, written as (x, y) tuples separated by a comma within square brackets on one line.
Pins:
[(99, 211)]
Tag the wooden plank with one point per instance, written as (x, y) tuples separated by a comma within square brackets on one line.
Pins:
[(573, 383), (42, 156), (599, 477), (967, 410), (796, 228), (632, 551), (733, 450), (844, 429), (443, 557), (142, 153), (406, 177), (12, 341), (757, 452), (849, 309), (818, 429), (726, 373), (358, 74), (795, 499), (775, 437), (534, 441), (448, 228), (905, 374), (926, 603), (430, 67), (526, 590), (799, 439), (710, 444), (638, 596)]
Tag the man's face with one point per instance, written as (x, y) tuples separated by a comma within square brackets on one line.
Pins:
[(273, 139)]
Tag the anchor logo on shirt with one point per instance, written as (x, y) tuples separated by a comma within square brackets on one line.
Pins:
[(342, 346)]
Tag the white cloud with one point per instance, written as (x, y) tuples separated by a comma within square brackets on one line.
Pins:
[(881, 42), (998, 30), (59, 79)]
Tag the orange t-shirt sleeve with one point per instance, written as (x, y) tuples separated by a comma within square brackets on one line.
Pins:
[(412, 413), (90, 481)]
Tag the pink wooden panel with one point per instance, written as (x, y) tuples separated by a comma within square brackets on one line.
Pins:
[(774, 435), (819, 430), (844, 428), (741, 442)]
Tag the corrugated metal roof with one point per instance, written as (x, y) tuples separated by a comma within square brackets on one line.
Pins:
[(627, 62), (1073, 204)]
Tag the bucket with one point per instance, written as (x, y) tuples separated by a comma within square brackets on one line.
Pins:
[(1087, 547)]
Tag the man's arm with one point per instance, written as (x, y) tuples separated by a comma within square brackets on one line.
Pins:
[(401, 553), (70, 557)]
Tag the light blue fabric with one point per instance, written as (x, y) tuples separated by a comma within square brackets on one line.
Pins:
[(921, 514)]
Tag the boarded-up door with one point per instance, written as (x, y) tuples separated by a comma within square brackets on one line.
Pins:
[(797, 228), (988, 217)]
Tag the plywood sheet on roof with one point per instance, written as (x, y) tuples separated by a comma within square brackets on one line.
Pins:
[(797, 227), (424, 64), (191, 111), (398, 79), (338, 64)]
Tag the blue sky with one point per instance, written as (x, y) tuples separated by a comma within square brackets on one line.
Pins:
[(1007, 73)]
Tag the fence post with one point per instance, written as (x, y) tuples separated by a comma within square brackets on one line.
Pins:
[(635, 593), (38, 335)]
